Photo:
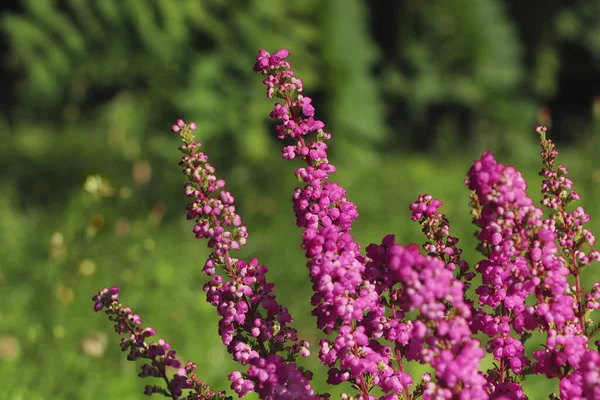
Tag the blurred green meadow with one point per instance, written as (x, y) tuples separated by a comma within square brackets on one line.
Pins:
[(91, 194)]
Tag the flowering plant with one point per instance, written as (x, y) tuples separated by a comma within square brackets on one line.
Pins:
[(390, 304)]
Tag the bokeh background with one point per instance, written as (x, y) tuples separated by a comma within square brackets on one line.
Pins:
[(91, 193)]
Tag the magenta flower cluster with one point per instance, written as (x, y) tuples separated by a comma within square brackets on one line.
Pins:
[(390, 305)]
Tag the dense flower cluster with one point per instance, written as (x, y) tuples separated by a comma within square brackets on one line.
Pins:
[(440, 334), (253, 336), (391, 304), (523, 260), (343, 295)]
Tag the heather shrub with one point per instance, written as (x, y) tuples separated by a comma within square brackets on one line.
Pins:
[(389, 306)]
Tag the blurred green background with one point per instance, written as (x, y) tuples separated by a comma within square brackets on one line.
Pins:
[(91, 194)]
